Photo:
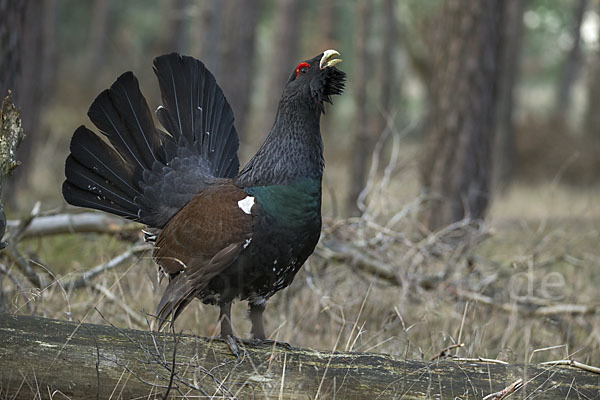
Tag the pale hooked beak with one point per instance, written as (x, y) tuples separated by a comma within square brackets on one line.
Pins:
[(329, 59)]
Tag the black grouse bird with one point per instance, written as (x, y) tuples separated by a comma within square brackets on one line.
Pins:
[(219, 234)]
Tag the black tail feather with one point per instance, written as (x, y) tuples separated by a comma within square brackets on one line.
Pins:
[(141, 172), (121, 113), (135, 113), (86, 179), (196, 112), (93, 152), (84, 198)]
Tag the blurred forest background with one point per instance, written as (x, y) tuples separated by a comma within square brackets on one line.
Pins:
[(455, 111)]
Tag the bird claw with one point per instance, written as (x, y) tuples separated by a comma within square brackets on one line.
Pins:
[(231, 342)]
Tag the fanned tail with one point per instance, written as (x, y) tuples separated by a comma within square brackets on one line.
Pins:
[(107, 177), (196, 113), (141, 172)]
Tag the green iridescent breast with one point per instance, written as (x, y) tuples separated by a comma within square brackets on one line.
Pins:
[(294, 205)]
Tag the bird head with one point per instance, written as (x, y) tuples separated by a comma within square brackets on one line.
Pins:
[(316, 80)]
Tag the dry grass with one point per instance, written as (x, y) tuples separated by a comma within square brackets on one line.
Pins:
[(475, 285), (549, 258)]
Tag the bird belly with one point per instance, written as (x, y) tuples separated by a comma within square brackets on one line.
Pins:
[(268, 264)]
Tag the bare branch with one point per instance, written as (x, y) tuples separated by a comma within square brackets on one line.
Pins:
[(87, 222), (85, 279)]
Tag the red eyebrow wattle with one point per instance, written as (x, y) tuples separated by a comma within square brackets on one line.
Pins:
[(300, 66)]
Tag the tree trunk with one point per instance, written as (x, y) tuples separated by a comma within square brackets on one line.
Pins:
[(387, 75), (176, 27), (456, 167), (363, 139), (329, 25), (97, 40), (44, 358), (572, 63), (591, 123), (504, 155), (30, 96), (50, 54), (12, 16), (237, 55), (208, 32), (288, 20)]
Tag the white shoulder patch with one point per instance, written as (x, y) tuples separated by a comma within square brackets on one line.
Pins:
[(246, 204)]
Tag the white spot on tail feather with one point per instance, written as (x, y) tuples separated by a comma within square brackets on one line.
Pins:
[(246, 204), (259, 301), (247, 242)]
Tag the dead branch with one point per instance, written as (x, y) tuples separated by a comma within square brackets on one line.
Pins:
[(504, 393), (347, 253), (42, 356), (84, 280), (575, 364), (528, 309), (87, 222), (136, 316)]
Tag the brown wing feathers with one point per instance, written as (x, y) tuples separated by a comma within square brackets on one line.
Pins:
[(201, 241)]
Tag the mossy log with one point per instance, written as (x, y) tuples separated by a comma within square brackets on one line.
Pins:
[(45, 358)]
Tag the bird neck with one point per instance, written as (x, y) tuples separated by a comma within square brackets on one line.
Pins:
[(293, 149)]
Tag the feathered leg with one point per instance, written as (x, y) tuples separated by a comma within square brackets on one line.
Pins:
[(256, 317), (226, 329)]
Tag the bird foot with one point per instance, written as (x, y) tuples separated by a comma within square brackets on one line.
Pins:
[(231, 342)]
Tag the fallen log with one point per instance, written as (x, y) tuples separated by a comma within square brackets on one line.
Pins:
[(45, 358)]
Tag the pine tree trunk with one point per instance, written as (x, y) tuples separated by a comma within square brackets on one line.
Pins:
[(208, 32), (50, 55), (572, 63), (176, 27), (12, 16), (30, 98), (363, 140), (505, 152), (456, 167), (288, 19), (237, 54), (591, 123), (97, 43)]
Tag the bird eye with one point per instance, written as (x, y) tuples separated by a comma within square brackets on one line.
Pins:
[(302, 68)]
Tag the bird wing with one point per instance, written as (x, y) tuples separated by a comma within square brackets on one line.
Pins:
[(201, 241)]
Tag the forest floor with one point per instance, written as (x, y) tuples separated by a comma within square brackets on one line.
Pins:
[(521, 288)]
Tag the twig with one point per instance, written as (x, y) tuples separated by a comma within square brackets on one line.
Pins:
[(479, 359), (575, 364), (23, 265), (90, 274), (445, 351), (111, 296), (22, 225), (172, 375), (333, 249), (20, 287), (504, 393)]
